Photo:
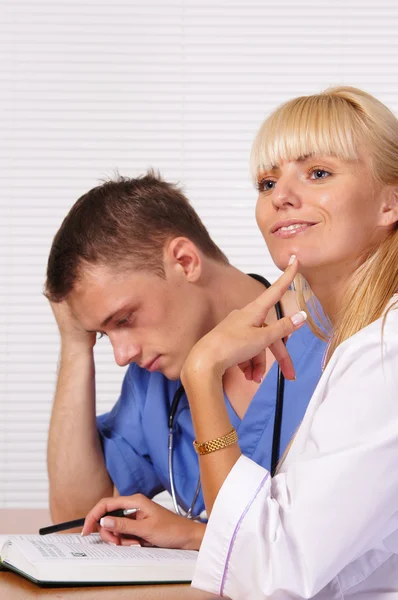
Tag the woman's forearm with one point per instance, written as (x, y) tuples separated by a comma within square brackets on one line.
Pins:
[(240, 339), (210, 418)]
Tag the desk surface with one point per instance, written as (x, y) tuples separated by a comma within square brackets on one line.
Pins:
[(13, 587)]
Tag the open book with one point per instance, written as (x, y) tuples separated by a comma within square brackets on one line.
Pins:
[(74, 560)]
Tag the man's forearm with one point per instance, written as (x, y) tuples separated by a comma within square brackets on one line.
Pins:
[(76, 466)]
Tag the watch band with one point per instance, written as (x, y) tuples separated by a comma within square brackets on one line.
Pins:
[(216, 444)]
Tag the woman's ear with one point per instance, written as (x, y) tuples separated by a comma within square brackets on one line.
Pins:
[(182, 256), (389, 208)]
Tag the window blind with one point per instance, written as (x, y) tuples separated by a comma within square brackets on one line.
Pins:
[(90, 87)]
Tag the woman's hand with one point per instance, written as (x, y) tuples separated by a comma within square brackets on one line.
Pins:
[(152, 523), (241, 338)]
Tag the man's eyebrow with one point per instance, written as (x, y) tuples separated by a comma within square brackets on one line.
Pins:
[(103, 324), (107, 320)]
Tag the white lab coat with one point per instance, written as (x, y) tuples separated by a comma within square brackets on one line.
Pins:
[(326, 526)]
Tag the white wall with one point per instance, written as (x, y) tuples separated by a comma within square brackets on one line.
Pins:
[(91, 86)]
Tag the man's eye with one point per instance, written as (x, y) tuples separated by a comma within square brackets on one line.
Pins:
[(319, 174), (124, 321), (266, 185)]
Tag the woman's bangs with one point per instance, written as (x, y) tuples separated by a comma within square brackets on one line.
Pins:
[(321, 125)]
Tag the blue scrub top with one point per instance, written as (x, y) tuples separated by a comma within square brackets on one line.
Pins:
[(134, 433)]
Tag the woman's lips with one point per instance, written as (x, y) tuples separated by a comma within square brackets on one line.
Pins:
[(289, 230)]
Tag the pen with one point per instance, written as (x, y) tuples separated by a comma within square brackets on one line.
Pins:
[(121, 512)]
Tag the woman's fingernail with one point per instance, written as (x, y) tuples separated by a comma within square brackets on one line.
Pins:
[(292, 259), (107, 522), (135, 543), (82, 534), (299, 318)]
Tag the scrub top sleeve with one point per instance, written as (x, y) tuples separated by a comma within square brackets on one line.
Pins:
[(125, 449), (335, 497)]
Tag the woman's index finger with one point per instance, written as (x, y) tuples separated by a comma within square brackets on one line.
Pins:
[(103, 506), (273, 294)]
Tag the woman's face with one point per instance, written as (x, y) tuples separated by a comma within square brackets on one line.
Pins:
[(324, 210)]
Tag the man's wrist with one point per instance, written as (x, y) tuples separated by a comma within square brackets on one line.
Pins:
[(71, 348)]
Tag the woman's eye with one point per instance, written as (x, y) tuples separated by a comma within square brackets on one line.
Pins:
[(266, 185), (101, 334), (319, 174)]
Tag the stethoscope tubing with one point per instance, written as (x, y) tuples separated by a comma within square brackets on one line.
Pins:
[(172, 415), (280, 393)]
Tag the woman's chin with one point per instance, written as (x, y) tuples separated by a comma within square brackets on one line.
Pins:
[(304, 260), (282, 261)]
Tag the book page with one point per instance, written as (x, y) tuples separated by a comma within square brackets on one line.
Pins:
[(3, 538), (38, 548)]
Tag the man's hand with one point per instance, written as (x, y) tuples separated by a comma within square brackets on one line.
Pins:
[(152, 523), (72, 333)]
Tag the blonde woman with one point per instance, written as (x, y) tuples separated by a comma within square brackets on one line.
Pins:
[(326, 526)]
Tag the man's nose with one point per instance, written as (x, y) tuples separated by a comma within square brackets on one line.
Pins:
[(125, 351), (286, 193)]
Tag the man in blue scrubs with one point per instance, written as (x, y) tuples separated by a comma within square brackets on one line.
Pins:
[(133, 261)]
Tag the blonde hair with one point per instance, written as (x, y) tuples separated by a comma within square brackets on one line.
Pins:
[(338, 122)]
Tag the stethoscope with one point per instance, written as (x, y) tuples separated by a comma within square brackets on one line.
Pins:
[(276, 437)]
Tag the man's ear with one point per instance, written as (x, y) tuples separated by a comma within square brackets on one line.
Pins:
[(182, 255), (389, 208)]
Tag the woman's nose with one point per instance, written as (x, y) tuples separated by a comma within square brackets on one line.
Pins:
[(286, 193)]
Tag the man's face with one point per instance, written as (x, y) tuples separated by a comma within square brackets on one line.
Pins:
[(149, 320)]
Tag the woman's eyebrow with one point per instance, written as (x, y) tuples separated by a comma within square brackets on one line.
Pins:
[(318, 155), (305, 157), (264, 172), (300, 159), (276, 167)]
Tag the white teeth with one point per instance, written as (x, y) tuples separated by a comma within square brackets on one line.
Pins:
[(291, 227)]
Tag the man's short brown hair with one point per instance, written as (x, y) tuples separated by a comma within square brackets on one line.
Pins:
[(123, 223)]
